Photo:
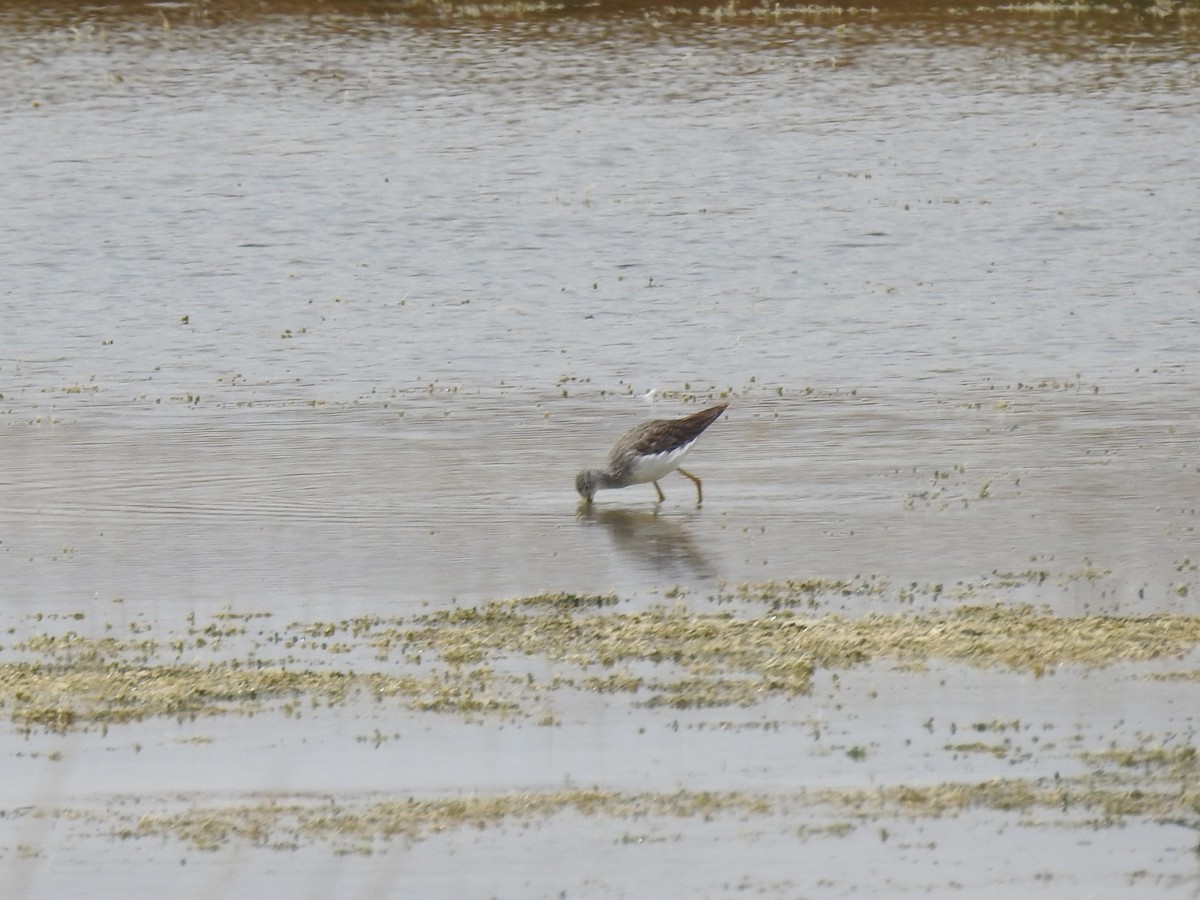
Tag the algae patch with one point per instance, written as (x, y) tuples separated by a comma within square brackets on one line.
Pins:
[(354, 826), (510, 657), (1097, 799)]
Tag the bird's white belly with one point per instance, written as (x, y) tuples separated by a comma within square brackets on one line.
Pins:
[(652, 468)]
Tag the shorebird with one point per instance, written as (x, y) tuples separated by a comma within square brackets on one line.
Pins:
[(647, 452)]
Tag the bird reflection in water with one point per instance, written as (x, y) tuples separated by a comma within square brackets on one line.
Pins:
[(661, 543)]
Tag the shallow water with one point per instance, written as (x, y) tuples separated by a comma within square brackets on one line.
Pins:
[(401, 313), (319, 313), (327, 512)]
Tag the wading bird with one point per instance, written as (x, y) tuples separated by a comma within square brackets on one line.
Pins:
[(648, 452)]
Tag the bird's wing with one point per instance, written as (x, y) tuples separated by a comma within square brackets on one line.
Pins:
[(665, 435)]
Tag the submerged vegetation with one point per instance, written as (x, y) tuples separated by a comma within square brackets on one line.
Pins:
[(530, 659), (1106, 795), (514, 657)]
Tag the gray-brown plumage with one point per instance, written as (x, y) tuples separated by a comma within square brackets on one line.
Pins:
[(647, 452)]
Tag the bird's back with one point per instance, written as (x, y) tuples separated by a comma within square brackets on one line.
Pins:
[(663, 435)]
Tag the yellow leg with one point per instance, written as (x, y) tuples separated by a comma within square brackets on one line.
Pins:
[(696, 481), (661, 495)]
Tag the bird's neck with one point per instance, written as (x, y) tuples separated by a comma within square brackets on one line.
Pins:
[(605, 479)]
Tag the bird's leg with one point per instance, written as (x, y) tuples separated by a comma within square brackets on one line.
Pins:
[(696, 481), (661, 495)]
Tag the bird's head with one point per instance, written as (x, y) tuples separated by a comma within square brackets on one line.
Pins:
[(585, 483)]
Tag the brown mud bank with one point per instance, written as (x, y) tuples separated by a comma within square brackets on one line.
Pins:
[(209, 13)]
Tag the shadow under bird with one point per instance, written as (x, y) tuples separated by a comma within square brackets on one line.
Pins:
[(649, 451)]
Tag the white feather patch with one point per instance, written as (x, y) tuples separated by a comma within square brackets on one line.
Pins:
[(651, 468)]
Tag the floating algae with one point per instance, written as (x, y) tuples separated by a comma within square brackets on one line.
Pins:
[(512, 658), (1096, 799), (287, 824), (505, 657)]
